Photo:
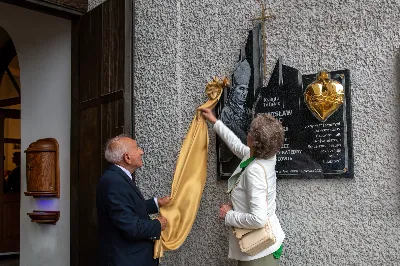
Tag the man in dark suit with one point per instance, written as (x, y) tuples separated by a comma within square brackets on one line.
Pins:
[(126, 232), (13, 180)]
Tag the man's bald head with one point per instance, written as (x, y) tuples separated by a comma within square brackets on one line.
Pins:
[(123, 150), (116, 148)]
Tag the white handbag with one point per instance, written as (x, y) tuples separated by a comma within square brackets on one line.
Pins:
[(253, 241)]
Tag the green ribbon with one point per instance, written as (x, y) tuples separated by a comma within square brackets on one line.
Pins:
[(234, 179), (244, 164), (277, 254)]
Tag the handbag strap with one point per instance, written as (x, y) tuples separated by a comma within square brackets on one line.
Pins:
[(266, 180)]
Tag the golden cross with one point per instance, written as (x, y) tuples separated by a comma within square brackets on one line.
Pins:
[(262, 19)]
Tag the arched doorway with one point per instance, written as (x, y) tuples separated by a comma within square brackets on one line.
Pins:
[(10, 146)]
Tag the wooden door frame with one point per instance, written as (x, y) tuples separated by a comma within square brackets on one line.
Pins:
[(128, 116)]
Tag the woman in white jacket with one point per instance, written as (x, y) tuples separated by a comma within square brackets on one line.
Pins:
[(249, 186)]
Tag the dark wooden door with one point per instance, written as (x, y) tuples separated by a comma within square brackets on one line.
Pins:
[(10, 201), (102, 107)]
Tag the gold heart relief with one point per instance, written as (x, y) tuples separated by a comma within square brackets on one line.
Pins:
[(324, 96)]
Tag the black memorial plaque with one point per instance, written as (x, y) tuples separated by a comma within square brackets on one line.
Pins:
[(312, 149)]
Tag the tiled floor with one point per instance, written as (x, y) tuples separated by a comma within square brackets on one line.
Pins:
[(11, 260)]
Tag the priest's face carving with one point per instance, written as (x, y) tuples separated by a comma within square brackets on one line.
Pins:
[(240, 94)]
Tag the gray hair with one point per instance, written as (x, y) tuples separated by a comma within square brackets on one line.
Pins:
[(267, 136), (115, 150)]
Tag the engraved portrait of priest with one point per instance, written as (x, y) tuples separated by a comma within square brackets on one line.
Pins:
[(235, 114)]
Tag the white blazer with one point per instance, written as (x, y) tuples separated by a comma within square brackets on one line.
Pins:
[(249, 196)]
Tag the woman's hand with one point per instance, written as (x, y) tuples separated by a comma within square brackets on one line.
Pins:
[(208, 115), (223, 210)]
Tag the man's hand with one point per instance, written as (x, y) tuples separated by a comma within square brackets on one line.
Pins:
[(163, 201), (163, 222), (208, 115), (225, 208)]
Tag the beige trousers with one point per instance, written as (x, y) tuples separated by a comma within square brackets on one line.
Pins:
[(264, 261)]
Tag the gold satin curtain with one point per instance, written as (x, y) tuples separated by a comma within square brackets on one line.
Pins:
[(189, 178)]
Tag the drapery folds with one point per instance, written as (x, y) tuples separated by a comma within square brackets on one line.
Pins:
[(189, 178)]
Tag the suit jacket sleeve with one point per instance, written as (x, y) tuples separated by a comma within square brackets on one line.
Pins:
[(231, 140), (121, 210), (151, 206)]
